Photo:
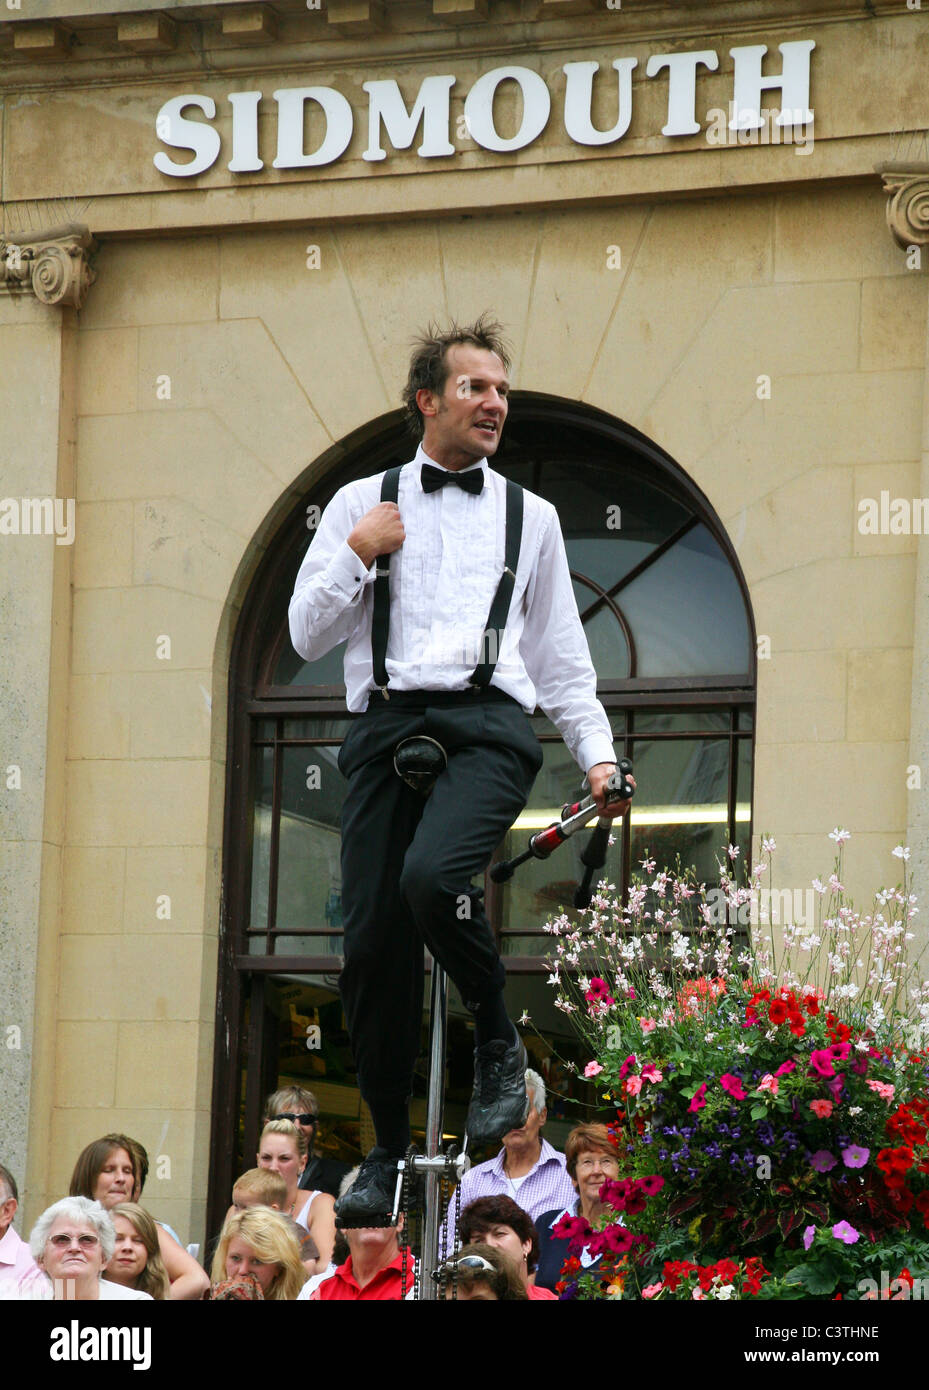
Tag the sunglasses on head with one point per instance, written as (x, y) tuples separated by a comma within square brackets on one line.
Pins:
[(298, 1119), (450, 1268)]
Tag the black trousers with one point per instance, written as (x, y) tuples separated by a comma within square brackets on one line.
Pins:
[(408, 862)]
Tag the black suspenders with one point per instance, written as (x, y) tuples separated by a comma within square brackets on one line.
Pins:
[(492, 639)]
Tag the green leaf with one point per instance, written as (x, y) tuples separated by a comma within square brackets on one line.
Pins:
[(758, 1112), (818, 1277)]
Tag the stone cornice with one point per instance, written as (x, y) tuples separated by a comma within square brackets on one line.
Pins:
[(907, 187), (54, 265)]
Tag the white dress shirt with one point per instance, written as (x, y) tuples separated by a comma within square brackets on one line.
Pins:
[(442, 583)]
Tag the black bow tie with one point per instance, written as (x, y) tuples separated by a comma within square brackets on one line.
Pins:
[(434, 478)]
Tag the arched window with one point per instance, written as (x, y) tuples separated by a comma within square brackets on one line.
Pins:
[(669, 627)]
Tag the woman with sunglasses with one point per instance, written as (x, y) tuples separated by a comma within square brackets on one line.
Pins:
[(72, 1242), (481, 1273), (282, 1148), (301, 1107)]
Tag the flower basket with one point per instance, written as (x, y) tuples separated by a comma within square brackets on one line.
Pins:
[(770, 1087)]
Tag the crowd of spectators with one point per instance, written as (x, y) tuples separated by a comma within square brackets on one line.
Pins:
[(279, 1242)]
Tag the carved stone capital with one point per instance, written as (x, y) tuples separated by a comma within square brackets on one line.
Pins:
[(907, 188), (55, 265)]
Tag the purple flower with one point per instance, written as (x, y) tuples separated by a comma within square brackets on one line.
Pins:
[(823, 1161), (808, 1235), (844, 1232), (855, 1156)]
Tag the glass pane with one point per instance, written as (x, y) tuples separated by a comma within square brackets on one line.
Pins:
[(309, 885), (743, 799), (304, 945), (687, 614), (688, 721), (611, 517), (263, 729), (262, 773), (541, 887), (291, 669), (609, 650), (680, 805), (316, 728)]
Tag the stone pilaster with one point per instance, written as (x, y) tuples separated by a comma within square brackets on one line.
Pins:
[(43, 279), (907, 188)]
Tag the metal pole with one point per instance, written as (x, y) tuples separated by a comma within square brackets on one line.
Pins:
[(435, 1109)]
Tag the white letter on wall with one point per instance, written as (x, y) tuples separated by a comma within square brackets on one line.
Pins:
[(794, 84), (175, 130), (432, 108), (682, 87), (479, 109), (578, 101), (245, 158), (339, 126)]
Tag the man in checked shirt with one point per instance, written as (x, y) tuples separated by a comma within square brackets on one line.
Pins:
[(408, 862)]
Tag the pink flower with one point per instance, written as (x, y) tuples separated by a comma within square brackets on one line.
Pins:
[(843, 1231), (628, 1065), (840, 1051), (823, 1161), (651, 1073), (808, 1236), (822, 1109), (855, 1156), (647, 1025), (633, 1085), (697, 1101), (593, 1069), (821, 1061), (652, 1290), (768, 1083), (732, 1084), (786, 1068), (885, 1091)]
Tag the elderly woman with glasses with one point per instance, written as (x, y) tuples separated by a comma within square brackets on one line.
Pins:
[(72, 1242), (591, 1160)]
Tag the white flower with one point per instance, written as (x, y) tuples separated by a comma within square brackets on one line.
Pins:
[(768, 844), (524, 1019), (901, 852), (854, 1110), (725, 1291), (840, 836), (733, 852)]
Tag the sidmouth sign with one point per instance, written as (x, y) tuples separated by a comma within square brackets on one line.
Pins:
[(392, 121)]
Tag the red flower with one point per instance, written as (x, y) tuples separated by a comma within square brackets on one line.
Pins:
[(777, 1012), (652, 1184), (811, 1004)]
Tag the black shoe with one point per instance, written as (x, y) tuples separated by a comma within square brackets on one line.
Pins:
[(370, 1199), (499, 1102)]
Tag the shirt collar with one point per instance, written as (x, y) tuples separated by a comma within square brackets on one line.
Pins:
[(422, 457), (545, 1156)]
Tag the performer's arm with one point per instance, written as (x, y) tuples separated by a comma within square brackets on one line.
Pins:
[(557, 657), (328, 595)]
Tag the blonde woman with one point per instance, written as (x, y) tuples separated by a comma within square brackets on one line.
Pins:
[(257, 1243), (136, 1261), (282, 1148)]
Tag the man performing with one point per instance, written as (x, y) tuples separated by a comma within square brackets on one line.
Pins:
[(415, 568)]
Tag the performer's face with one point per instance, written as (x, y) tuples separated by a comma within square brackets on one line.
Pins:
[(465, 422)]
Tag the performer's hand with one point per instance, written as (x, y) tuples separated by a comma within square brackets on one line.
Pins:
[(598, 776), (379, 532)]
